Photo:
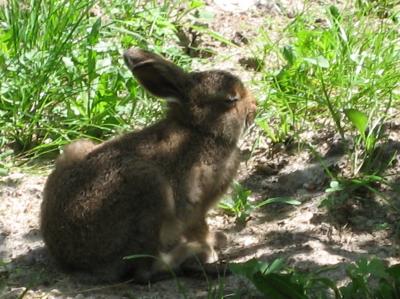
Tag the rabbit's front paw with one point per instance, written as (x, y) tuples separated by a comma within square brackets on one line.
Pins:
[(219, 240), (211, 256)]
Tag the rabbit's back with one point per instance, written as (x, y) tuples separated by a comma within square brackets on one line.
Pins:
[(113, 201), (106, 198)]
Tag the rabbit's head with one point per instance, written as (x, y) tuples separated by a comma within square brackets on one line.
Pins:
[(212, 102)]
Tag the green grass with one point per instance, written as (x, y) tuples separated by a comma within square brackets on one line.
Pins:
[(367, 279), (240, 205), (339, 74), (346, 63), (62, 73)]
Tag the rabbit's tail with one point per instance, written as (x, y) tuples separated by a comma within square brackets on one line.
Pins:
[(74, 152)]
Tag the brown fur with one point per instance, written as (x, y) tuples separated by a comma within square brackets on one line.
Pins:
[(74, 153), (148, 192)]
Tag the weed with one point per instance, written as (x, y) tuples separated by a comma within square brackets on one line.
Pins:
[(238, 204), (62, 73), (342, 73), (5, 162), (341, 190), (341, 67), (3, 275), (241, 206), (372, 279), (382, 9), (368, 279)]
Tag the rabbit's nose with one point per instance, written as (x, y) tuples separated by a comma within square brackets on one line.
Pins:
[(126, 57), (253, 105), (251, 111), (131, 56), (250, 118), (135, 57)]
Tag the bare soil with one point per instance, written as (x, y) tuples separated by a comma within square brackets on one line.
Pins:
[(308, 236)]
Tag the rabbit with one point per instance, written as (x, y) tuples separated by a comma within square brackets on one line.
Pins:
[(147, 193)]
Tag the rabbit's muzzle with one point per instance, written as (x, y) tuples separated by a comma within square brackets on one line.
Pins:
[(251, 111)]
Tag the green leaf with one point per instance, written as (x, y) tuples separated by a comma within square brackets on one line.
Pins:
[(327, 282), (196, 4), (358, 119), (288, 53), (377, 268), (138, 256), (318, 61), (94, 32), (249, 268), (361, 267), (275, 266), (384, 291), (286, 200), (394, 271), (3, 171), (68, 63), (206, 15), (262, 123), (334, 11), (215, 35), (278, 286), (227, 205), (382, 226), (334, 186), (370, 143)]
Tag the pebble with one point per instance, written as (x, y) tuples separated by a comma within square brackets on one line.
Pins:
[(236, 5), (266, 169), (15, 177)]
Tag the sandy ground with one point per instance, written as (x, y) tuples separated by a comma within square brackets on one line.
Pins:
[(307, 235)]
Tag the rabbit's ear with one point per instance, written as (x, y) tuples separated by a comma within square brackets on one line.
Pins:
[(159, 76)]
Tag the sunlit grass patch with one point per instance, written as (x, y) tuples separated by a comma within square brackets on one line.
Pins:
[(62, 73)]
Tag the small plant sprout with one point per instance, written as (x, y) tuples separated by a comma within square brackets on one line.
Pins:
[(240, 203)]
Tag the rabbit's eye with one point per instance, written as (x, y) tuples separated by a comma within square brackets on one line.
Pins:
[(232, 99)]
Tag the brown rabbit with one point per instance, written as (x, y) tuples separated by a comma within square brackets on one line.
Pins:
[(148, 192)]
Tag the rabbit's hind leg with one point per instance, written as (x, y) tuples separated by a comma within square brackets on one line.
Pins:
[(200, 232), (171, 260), (166, 265), (188, 259)]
